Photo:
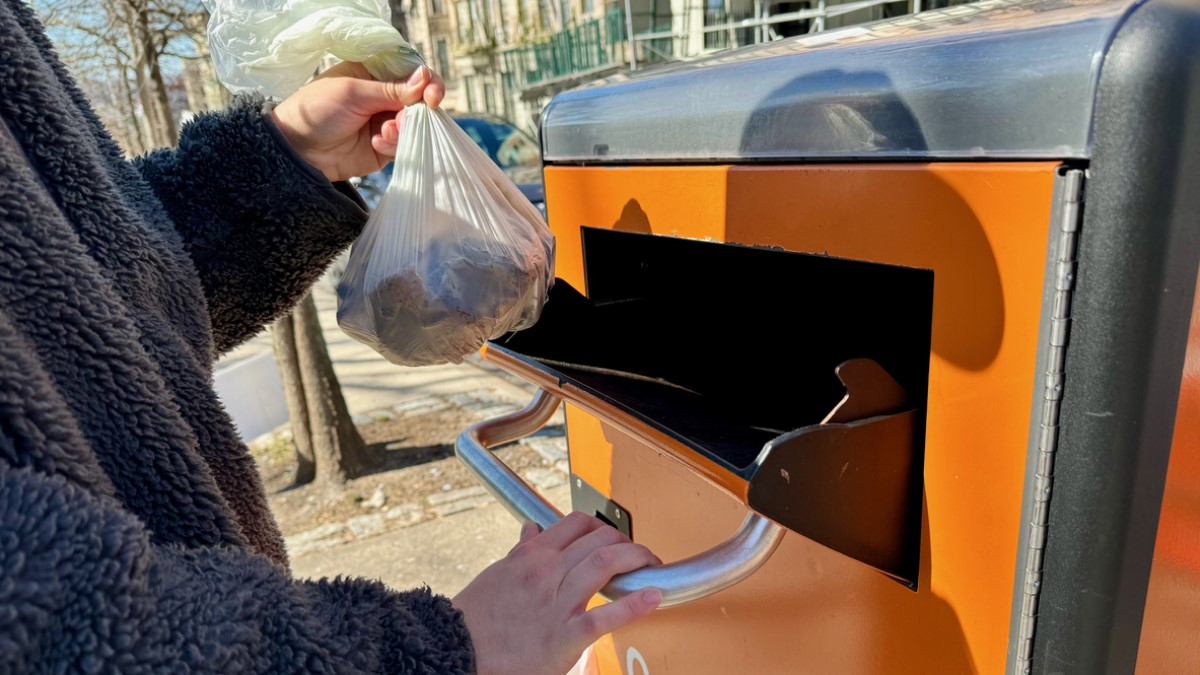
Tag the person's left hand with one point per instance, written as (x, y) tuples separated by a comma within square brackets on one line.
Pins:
[(527, 612), (344, 123)]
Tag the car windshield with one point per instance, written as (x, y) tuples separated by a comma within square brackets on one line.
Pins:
[(508, 146)]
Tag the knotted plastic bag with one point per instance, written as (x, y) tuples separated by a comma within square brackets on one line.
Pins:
[(454, 254)]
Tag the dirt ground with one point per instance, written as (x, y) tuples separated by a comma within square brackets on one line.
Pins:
[(415, 459)]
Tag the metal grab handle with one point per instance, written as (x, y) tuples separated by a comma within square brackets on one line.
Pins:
[(682, 581)]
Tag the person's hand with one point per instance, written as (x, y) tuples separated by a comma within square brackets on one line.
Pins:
[(527, 613), (344, 123)]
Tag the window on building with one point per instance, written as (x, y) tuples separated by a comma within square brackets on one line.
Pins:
[(589, 7), (528, 17), (564, 12), (489, 97), (469, 85), (465, 25), (443, 59), (483, 15), (436, 7)]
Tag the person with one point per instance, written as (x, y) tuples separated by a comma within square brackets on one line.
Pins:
[(134, 530)]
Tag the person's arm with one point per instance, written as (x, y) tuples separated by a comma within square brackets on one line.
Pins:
[(256, 191), (259, 223), (85, 590)]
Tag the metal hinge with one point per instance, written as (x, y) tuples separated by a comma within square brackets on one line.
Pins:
[(1070, 215)]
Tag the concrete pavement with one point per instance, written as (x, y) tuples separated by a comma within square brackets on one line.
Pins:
[(445, 553)]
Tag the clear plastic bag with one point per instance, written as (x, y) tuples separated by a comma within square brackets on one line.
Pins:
[(454, 254)]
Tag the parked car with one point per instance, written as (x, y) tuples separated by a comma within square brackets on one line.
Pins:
[(513, 150)]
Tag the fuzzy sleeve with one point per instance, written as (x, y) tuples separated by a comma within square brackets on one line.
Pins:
[(259, 222), (84, 590)]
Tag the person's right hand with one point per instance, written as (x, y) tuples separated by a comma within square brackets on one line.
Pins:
[(344, 123), (527, 613)]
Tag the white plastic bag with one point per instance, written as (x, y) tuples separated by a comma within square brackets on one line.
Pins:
[(274, 46), (454, 254)]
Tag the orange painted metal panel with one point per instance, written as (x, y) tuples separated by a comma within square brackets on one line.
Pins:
[(690, 204), (983, 230), (1171, 620)]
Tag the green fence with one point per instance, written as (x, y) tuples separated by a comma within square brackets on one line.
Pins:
[(656, 50), (586, 46)]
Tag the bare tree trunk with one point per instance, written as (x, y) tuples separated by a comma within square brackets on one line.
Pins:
[(215, 94), (119, 122), (193, 83), (338, 448), (162, 108), (284, 339), (137, 141), (147, 100), (218, 96), (151, 87)]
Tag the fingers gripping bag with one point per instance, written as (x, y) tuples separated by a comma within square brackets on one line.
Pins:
[(454, 254)]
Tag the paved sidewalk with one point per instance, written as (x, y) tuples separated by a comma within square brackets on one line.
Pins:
[(445, 553), (447, 538), (444, 538)]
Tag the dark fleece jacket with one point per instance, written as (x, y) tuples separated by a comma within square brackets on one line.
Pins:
[(134, 532)]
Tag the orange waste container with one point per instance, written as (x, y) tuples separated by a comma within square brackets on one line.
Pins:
[(887, 341)]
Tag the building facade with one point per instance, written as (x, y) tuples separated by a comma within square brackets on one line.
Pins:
[(510, 57)]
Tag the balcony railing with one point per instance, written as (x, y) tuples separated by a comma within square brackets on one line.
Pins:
[(600, 43), (588, 46)]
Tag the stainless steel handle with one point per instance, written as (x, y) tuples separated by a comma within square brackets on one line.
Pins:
[(682, 581)]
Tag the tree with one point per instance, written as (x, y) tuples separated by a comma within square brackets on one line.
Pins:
[(146, 47), (97, 55), (205, 91), (117, 51), (283, 338), (329, 448)]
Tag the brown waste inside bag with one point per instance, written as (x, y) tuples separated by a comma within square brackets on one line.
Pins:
[(453, 310)]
